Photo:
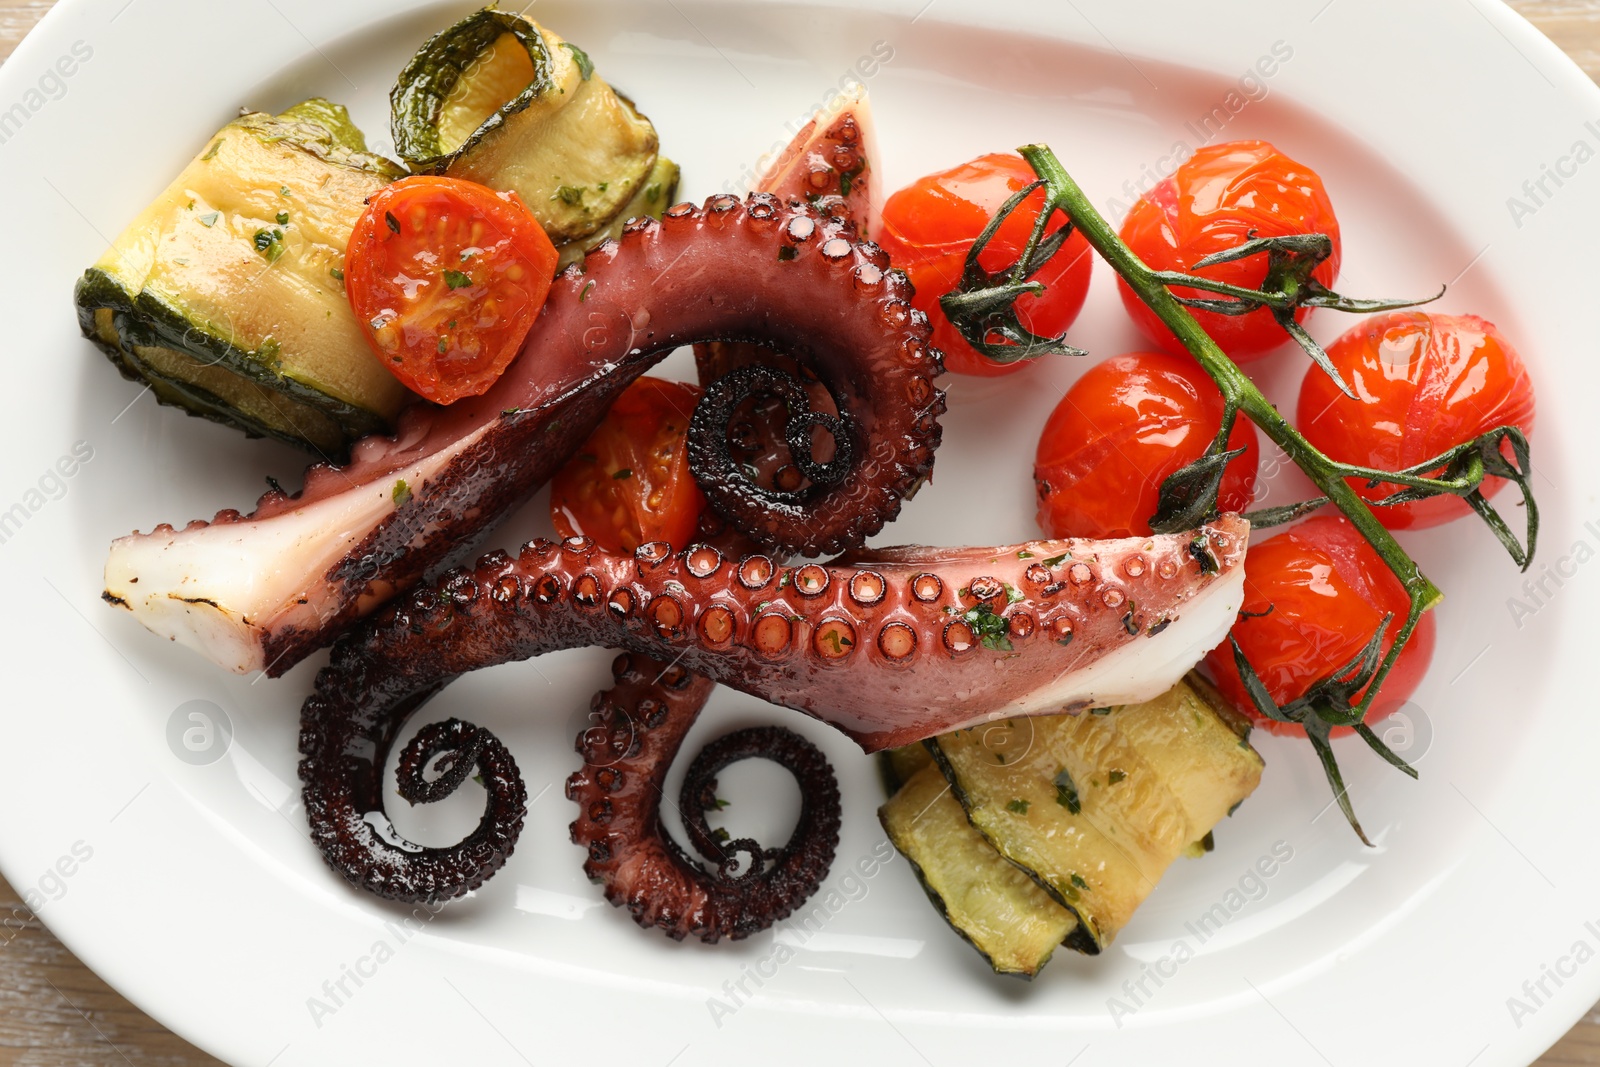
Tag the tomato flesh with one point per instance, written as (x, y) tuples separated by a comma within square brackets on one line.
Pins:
[(1314, 596), (928, 227), (630, 483), (1424, 383), (1122, 428), (446, 277), (1218, 199)]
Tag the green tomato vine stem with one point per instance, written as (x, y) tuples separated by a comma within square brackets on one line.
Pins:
[(1239, 394)]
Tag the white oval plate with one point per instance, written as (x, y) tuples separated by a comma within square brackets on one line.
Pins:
[(1464, 937)]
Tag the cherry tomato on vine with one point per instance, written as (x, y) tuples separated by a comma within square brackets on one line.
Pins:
[(1324, 591), (1219, 198), (630, 483), (1119, 432), (1425, 383), (928, 227), (446, 277)]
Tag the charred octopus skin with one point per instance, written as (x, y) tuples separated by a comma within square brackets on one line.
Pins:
[(639, 725), (889, 648), (259, 592)]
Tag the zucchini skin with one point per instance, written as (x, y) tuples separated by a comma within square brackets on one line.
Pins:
[(419, 94), (217, 373)]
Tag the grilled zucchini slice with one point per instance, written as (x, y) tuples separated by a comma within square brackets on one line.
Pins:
[(1095, 807), (990, 902), (897, 765), (654, 197), (499, 100), (226, 295)]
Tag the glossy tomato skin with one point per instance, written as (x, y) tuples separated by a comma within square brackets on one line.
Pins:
[(630, 483), (928, 227), (446, 277), (1122, 428), (1324, 591), (1424, 384), (1217, 199)]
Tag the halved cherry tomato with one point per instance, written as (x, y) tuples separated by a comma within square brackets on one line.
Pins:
[(1425, 384), (928, 226), (446, 277), (630, 483), (1219, 198), (1324, 592), (1119, 432)]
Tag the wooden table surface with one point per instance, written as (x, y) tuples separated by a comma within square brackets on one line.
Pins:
[(55, 1012)]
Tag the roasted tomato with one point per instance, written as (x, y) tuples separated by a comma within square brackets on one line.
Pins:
[(928, 227), (1323, 591), (630, 483), (1219, 198), (1120, 430), (1424, 384), (446, 277)]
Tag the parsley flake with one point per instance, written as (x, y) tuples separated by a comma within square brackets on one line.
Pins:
[(1067, 792)]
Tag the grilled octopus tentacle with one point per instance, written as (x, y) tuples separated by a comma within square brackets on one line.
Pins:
[(643, 720), (259, 592), (889, 647)]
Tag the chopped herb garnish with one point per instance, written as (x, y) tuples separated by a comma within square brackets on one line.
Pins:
[(623, 474), (211, 153), (585, 294), (190, 206), (283, 191), (444, 345), (1067, 792), (721, 835), (401, 493), (1017, 805), (456, 279), (1116, 776), (568, 194), (209, 220), (718, 803), (580, 57), (269, 243), (283, 218), (652, 192), (337, 272), (1077, 880), (1024, 554), (837, 643), (392, 222), (785, 253), (1056, 561), (993, 631)]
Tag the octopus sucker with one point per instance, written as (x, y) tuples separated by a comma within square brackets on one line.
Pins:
[(261, 591), (641, 722)]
